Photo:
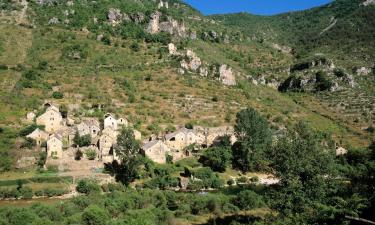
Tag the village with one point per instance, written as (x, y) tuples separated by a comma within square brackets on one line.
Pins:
[(57, 136)]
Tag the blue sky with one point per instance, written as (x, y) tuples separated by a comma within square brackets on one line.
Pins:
[(259, 7)]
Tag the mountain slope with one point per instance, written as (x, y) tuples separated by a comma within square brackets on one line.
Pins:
[(343, 29), (102, 53)]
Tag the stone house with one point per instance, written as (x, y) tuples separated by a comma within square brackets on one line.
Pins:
[(39, 136), (106, 143), (156, 150), (55, 147), (121, 122), (181, 139), (89, 127), (51, 119), (110, 121)]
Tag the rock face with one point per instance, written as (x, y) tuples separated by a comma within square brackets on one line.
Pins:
[(153, 25), (115, 16), (170, 26), (318, 74), (226, 75), (191, 63), (369, 2), (364, 71)]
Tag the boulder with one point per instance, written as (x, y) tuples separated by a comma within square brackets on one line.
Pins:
[(115, 16), (364, 71), (53, 21), (226, 75), (172, 49)]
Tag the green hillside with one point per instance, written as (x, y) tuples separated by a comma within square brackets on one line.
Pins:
[(301, 86)]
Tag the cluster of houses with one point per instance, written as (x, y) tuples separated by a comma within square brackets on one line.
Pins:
[(58, 135)]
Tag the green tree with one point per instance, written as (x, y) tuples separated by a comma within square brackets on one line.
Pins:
[(94, 215), (127, 150), (217, 159), (254, 140), (82, 141), (247, 200), (305, 165)]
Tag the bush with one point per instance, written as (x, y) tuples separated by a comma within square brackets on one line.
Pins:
[(26, 193), (189, 126), (82, 141), (247, 200), (78, 155), (3, 67), (135, 47), (217, 158), (242, 180), (57, 95), (28, 130), (94, 215), (91, 154), (28, 143), (87, 186)]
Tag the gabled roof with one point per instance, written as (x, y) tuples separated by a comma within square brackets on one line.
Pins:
[(55, 136), (36, 132), (91, 122), (52, 108), (151, 144)]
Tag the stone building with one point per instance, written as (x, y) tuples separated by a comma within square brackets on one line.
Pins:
[(39, 136), (55, 147), (156, 150), (89, 127), (110, 121), (51, 119), (181, 139), (106, 143)]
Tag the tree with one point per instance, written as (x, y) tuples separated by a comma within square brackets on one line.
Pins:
[(305, 165), (217, 158), (127, 150), (254, 140), (247, 200), (82, 141), (87, 186), (94, 215)]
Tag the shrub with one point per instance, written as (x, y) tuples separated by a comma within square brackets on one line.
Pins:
[(94, 215), (189, 126), (82, 141), (57, 95), (28, 130), (78, 155), (43, 65), (26, 192), (91, 154), (254, 179), (135, 47), (28, 143), (242, 180), (87, 186), (3, 67), (247, 200), (215, 99), (217, 158)]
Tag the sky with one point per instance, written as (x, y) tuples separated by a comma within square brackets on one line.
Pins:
[(258, 7)]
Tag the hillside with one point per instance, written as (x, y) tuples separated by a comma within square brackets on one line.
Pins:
[(148, 112)]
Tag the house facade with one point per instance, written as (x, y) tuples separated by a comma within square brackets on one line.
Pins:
[(55, 147), (39, 136), (156, 150), (51, 119)]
